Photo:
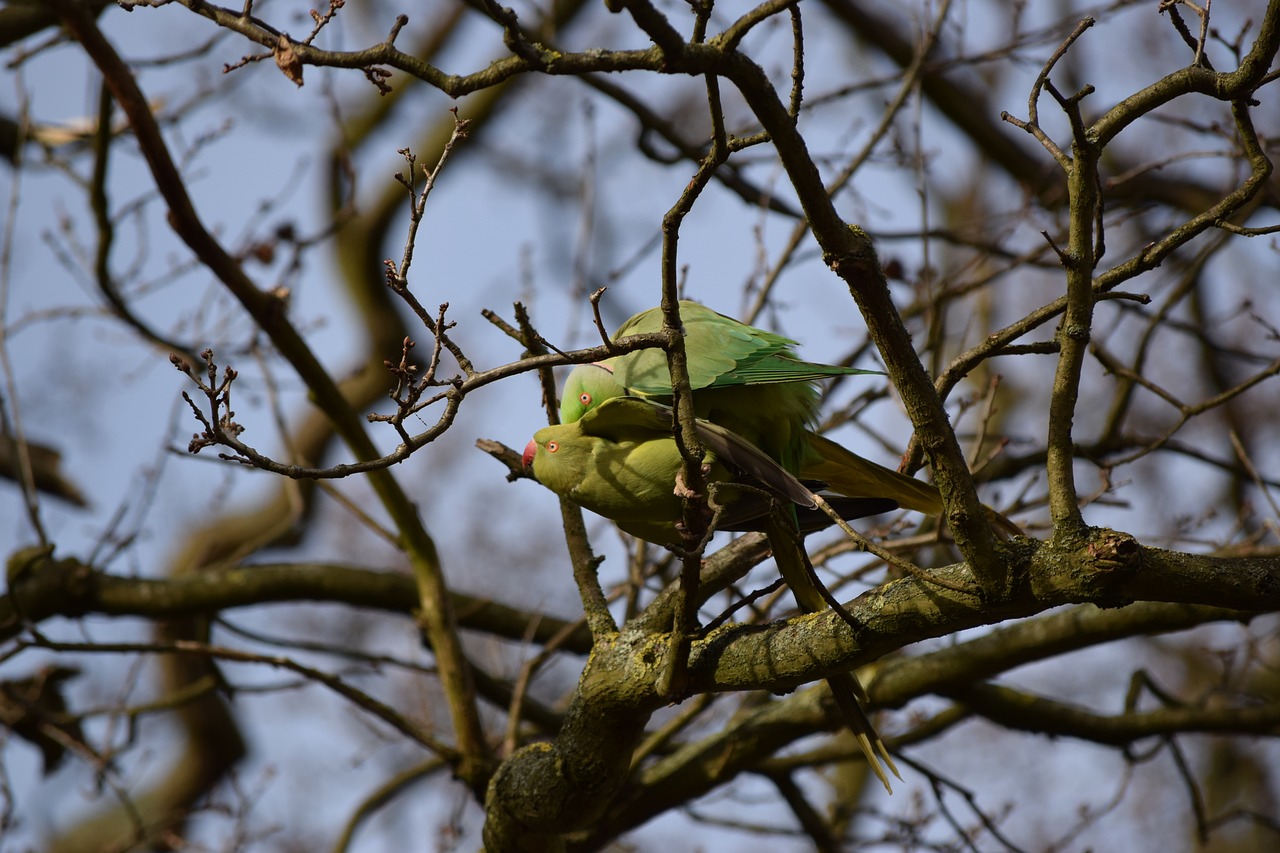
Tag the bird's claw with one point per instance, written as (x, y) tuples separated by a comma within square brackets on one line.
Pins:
[(682, 488)]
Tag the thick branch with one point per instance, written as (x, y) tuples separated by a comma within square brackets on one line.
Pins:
[(694, 769), (69, 588), (1021, 711)]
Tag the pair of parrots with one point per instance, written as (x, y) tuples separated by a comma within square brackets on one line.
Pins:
[(755, 402)]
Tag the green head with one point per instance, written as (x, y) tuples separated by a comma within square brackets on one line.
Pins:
[(587, 386), (557, 457)]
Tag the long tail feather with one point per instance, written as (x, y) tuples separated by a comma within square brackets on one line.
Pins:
[(849, 474), (794, 566), (845, 689)]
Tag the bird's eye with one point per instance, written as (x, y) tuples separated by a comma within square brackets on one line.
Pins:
[(584, 398), (553, 446)]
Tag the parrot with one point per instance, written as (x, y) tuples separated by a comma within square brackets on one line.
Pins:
[(619, 459), (750, 381)]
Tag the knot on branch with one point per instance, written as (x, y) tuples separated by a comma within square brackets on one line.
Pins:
[(1107, 558), (1111, 550), (1092, 568), (854, 255)]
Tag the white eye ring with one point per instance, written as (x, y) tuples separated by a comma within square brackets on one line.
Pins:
[(553, 446)]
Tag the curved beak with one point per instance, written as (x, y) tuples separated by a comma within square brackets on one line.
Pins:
[(529, 450)]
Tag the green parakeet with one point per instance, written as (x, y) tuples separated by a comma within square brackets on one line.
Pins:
[(750, 381), (619, 459)]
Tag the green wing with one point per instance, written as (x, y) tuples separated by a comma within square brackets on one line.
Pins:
[(717, 346), (627, 418), (722, 352)]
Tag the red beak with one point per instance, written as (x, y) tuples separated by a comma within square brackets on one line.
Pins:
[(529, 450)]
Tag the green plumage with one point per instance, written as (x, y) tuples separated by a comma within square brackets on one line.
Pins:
[(750, 381), (619, 460), (746, 379), (722, 353)]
